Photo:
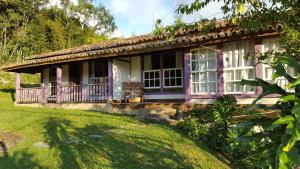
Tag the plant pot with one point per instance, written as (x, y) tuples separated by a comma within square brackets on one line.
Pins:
[(134, 100)]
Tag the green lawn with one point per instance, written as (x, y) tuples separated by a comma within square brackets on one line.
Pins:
[(120, 141)]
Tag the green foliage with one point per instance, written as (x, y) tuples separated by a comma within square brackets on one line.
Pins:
[(30, 27), (212, 125)]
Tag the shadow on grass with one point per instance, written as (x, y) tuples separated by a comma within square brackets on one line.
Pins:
[(11, 91), (19, 160), (106, 146)]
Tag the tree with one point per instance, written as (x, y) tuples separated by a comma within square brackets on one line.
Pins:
[(32, 26)]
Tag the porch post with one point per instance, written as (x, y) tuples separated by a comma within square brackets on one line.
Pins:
[(258, 67), (110, 79), (18, 86), (186, 76), (58, 84), (220, 71)]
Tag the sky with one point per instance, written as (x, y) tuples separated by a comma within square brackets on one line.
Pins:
[(136, 17)]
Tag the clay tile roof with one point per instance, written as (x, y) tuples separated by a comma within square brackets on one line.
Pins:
[(133, 45)]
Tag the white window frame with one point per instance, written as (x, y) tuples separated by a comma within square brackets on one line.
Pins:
[(207, 49), (234, 69), (280, 81), (170, 77), (155, 78)]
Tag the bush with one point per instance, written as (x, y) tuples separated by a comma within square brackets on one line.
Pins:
[(211, 125)]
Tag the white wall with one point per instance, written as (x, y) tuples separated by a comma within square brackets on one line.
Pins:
[(85, 73), (46, 76), (135, 69), (65, 74), (121, 73)]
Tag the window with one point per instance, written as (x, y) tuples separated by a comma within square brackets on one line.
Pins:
[(98, 71), (273, 45), (152, 79), (237, 66), (173, 77), (203, 71), (167, 66)]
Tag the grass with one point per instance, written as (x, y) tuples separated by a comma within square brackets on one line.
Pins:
[(124, 142)]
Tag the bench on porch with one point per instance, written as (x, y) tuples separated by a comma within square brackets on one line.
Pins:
[(133, 92)]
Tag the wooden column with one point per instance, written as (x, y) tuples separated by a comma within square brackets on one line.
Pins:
[(58, 84), (186, 75), (18, 86), (110, 79), (258, 67), (220, 70)]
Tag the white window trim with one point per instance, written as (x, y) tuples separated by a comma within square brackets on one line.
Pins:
[(181, 77), (243, 67), (264, 66), (203, 71), (148, 71)]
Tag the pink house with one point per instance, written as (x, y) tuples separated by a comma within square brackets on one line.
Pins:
[(193, 67)]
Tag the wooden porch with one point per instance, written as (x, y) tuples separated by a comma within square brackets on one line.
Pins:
[(91, 93)]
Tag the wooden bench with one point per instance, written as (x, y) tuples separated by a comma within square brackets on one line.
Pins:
[(133, 90)]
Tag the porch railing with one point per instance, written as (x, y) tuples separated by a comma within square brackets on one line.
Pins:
[(69, 94), (85, 93), (30, 95)]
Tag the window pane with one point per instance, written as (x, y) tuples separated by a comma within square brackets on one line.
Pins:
[(146, 75), (211, 64), (196, 87), (178, 73), (238, 74), (172, 73), (202, 88), (212, 87), (239, 59), (212, 76), (239, 88), (229, 75), (249, 74), (146, 83), (202, 65), (195, 77), (151, 83), (202, 77), (157, 83), (167, 82), (179, 81), (173, 82), (195, 66), (229, 87), (151, 75)]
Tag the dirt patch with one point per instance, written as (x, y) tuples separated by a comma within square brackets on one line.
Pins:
[(7, 141)]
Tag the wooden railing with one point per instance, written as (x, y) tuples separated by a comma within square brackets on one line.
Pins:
[(85, 93), (69, 94), (30, 95)]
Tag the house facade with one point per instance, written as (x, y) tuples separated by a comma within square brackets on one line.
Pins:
[(193, 67)]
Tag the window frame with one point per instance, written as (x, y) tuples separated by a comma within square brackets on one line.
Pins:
[(243, 68), (176, 77), (278, 80), (154, 79), (204, 71)]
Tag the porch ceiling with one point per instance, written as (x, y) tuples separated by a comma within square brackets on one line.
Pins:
[(223, 31)]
